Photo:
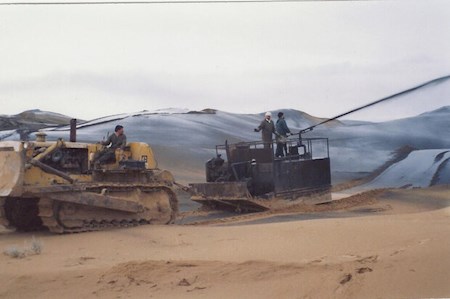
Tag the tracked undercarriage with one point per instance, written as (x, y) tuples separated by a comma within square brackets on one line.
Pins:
[(56, 185), (62, 212)]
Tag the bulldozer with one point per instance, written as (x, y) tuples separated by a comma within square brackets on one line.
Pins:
[(253, 179), (57, 185)]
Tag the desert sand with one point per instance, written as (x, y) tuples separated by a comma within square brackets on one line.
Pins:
[(394, 245)]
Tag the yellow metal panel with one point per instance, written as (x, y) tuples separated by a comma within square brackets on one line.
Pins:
[(142, 152), (34, 176)]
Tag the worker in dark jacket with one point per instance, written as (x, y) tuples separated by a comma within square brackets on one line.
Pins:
[(283, 131), (116, 140), (267, 128)]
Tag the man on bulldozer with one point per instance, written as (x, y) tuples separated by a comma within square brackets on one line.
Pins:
[(267, 128), (116, 140)]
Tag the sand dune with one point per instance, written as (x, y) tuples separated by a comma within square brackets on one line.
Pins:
[(399, 249), (183, 141)]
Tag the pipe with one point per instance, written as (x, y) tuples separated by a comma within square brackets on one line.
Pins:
[(50, 149), (51, 170), (73, 130), (36, 161), (435, 81)]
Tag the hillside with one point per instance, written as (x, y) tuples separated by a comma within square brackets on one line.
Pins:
[(365, 146), (183, 140), (30, 121), (421, 169)]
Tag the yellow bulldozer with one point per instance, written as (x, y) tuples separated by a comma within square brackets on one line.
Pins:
[(56, 184)]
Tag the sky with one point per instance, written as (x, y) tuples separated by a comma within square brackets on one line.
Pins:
[(322, 57)]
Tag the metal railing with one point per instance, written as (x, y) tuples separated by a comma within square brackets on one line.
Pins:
[(298, 148)]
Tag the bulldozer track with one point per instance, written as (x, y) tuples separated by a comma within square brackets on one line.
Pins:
[(90, 219), (48, 211)]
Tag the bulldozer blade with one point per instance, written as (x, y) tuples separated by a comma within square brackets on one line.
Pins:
[(11, 176), (220, 190), (227, 195)]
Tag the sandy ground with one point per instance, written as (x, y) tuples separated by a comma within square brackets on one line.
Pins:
[(396, 246)]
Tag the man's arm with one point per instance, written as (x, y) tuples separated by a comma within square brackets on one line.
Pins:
[(107, 141), (261, 126)]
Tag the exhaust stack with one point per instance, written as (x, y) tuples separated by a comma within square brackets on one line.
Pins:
[(73, 130)]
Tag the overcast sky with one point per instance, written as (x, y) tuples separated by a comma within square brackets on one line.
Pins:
[(319, 57)]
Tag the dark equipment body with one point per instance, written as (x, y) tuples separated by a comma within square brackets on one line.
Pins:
[(253, 179)]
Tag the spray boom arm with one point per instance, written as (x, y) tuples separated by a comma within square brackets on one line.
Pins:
[(373, 103)]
